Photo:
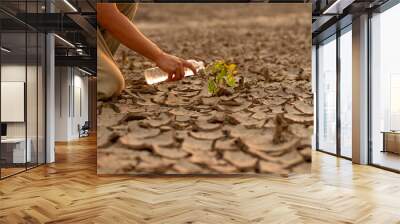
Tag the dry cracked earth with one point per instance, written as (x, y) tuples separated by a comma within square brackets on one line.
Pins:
[(264, 126)]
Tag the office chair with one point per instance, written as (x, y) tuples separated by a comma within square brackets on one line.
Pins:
[(84, 130)]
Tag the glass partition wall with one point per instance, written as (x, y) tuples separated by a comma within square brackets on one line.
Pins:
[(22, 98), (345, 108), (334, 115), (13, 90), (334, 94), (385, 89), (327, 95)]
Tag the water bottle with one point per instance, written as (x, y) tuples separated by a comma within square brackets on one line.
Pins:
[(156, 75)]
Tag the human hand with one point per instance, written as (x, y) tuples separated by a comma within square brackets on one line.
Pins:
[(173, 66)]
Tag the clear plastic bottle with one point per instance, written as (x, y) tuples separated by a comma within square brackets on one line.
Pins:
[(156, 75)]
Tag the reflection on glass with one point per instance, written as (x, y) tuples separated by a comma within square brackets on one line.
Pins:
[(41, 99), (22, 90), (327, 96), (385, 89), (31, 97), (14, 153), (346, 93), (394, 102)]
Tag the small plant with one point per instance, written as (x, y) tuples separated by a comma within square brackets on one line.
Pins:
[(221, 76)]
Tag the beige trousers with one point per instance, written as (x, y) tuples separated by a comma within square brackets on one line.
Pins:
[(110, 81)]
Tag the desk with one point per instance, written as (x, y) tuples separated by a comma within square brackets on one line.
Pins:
[(15, 148), (391, 141)]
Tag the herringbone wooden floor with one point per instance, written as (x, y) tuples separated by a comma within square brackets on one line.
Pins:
[(69, 191)]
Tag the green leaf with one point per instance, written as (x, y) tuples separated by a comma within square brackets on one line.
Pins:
[(220, 76), (231, 68), (212, 86), (217, 67), (230, 80)]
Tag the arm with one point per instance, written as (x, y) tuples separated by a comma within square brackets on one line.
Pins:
[(111, 19)]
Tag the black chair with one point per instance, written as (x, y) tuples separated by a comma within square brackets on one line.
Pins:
[(84, 130)]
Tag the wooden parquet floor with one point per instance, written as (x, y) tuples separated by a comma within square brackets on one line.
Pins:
[(69, 191)]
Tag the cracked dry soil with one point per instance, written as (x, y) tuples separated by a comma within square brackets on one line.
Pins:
[(178, 128)]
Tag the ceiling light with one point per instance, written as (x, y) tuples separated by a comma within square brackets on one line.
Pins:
[(79, 51), (5, 50), (70, 5), (338, 6), (331, 7), (65, 41), (86, 72)]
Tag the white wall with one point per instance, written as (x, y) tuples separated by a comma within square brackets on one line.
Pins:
[(61, 103), (70, 83), (80, 103), (13, 72)]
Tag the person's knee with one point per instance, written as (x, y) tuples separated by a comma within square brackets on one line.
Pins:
[(119, 82), (110, 79)]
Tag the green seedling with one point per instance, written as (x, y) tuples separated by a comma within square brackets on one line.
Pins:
[(221, 76)]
